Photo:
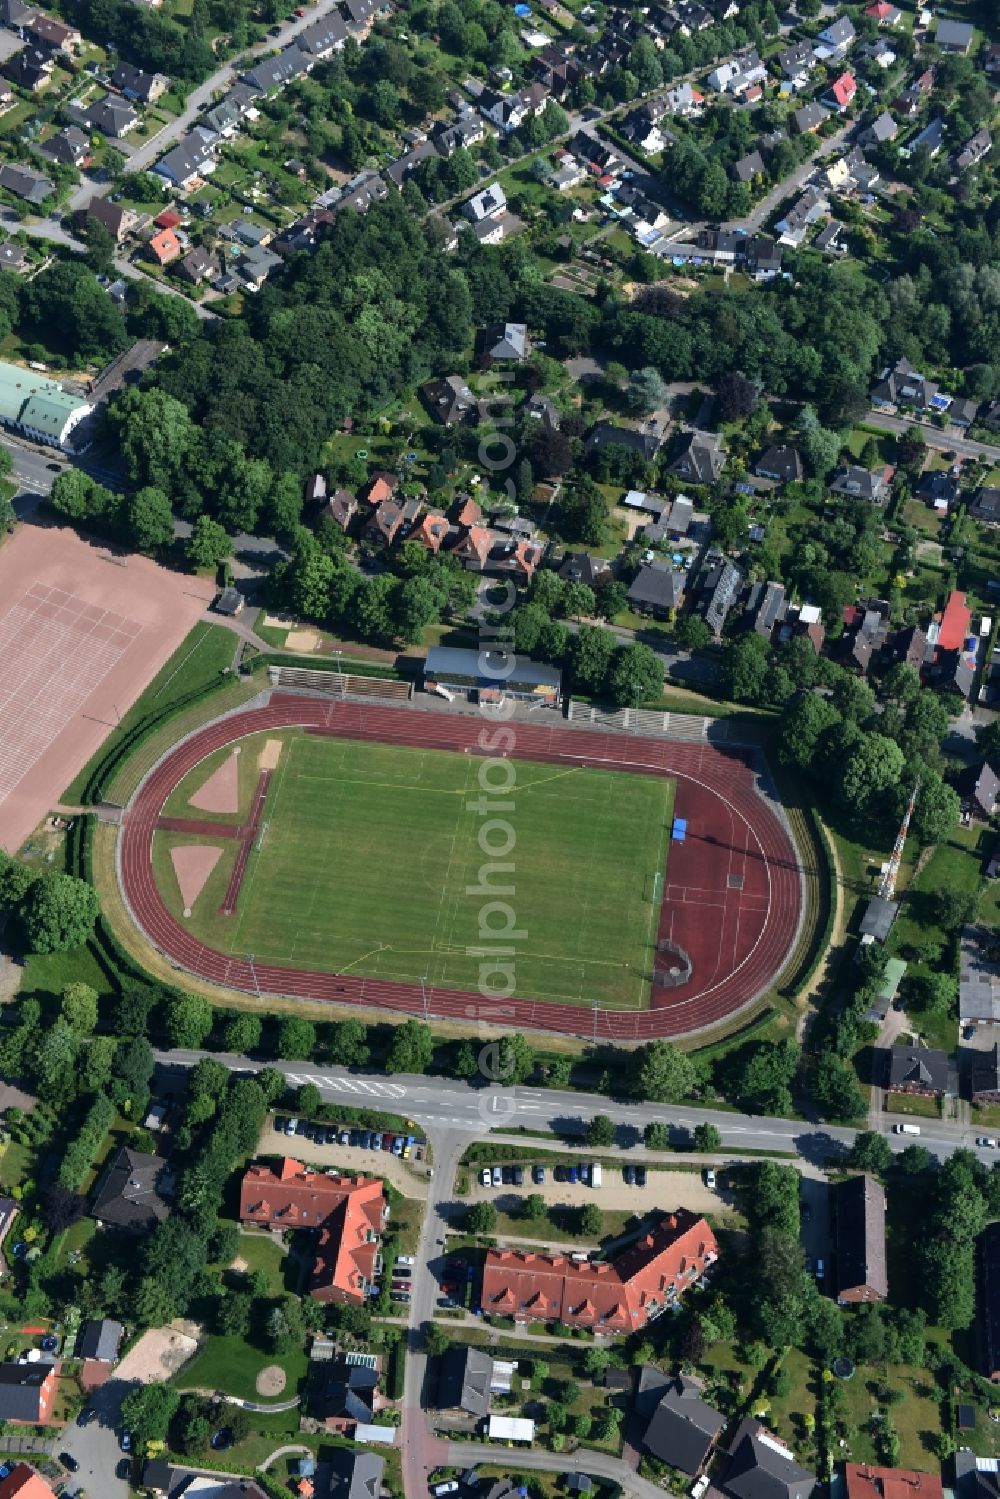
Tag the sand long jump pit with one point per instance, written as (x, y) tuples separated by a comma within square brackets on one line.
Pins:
[(83, 629)]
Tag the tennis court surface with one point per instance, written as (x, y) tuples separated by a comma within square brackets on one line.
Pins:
[(82, 631)]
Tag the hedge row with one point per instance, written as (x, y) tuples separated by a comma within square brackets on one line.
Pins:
[(82, 1149), (397, 1370)]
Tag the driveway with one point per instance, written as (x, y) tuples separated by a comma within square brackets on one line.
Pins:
[(96, 1446), (815, 1199)]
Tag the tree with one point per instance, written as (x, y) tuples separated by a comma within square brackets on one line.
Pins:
[(187, 1020), (147, 1411), (937, 810), (591, 1220), (589, 657), (707, 1138), (953, 909), (871, 1152), (296, 1038), (242, 1033), (635, 675), (149, 519), (803, 727), (78, 1008), (437, 1339), (482, 1218), (736, 396), (745, 668), (647, 391), (835, 1089), (656, 1135), (308, 1099), (411, 1049), (350, 1044), (600, 1130), (873, 766), (534, 1206), (58, 913), (208, 544), (664, 1074)]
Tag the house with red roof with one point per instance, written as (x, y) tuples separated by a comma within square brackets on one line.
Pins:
[(863, 1481), (380, 487), (955, 623), (22, 1482), (165, 247), (608, 1296), (842, 91), (168, 219), (432, 532), (884, 13), (348, 1213)]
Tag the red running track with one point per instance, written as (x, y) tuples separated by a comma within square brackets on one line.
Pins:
[(732, 897)]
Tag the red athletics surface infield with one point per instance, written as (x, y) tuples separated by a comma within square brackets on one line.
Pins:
[(732, 897)]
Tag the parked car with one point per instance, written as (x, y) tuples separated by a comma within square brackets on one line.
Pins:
[(709, 1177), (345, 1138), (377, 1140), (124, 1468), (388, 1141), (628, 1172), (280, 1125), (572, 1175), (640, 1176), (497, 1176), (126, 1441), (559, 1173), (519, 1176), (69, 1461), (583, 1172), (486, 1177), (987, 1141), (820, 1270), (86, 1416), (807, 1212), (398, 1145), (355, 1137), (507, 1173), (405, 1259), (447, 1302), (538, 1175), (438, 1489), (402, 1296), (291, 1126)]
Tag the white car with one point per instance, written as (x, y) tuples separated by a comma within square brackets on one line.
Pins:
[(987, 1141), (405, 1259), (497, 1177), (709, 1177), (486, 1177)]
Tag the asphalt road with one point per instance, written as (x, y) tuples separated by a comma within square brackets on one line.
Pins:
[(945, 442), (455, 1108), (597, 1464)]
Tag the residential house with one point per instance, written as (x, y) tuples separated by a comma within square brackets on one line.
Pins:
[(938, 488), (985, 505), (762, 1467), (683, 1428), (30, 69), (341, 508), (135, 1194), (855, 482), (49, 32), (14, 257), (485, 551), (862, 1481), (100, 1340), (718, 588), (380, 487), (198, 265), (861, 1263), (885, 13), (391, 520), (763, 256), (274, 72), (807, 209), (465, 1380), (466, 131), (954, 36), (809, 118), (975, 149), (15, 14), (69, 147), (342, 1395), (658, 589), (190, 161), (22, 1482), (876, 53), (615, 1296), (506, 342), (489, 204), (167, 1481), (836, 40), (683, 99), (106, 113), (882, 130), (26, 183), (581, 567), (450, 400), (963, 411), (544, 410), (748, 167), (431, 531), (796, 63), (904, 386), (354, 1473), (165, 247), (701, 458), (118, 220), (780, 461), (505, 111), (930, 139), (765, 607), (324, 37), (984, 1077), (920, 1070), (399, 170), (133, 83), (255, 265), (988, 1300), (28, 1393), (986, 790), (348, 1213), (991, 62), (646, 441)]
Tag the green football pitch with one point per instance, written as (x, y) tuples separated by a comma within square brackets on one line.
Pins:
[(370, 858)]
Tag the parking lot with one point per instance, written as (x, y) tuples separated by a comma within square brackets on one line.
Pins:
[(662, 1189), (409, 1175)]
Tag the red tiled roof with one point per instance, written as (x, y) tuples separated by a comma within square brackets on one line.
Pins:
[(955, 623), (475, 545), (616, 1296), (348, 1211), (23, 1482), (432, 531), (165, 246), (864, 1482), (381, 486), (167, 219), (844, 89)]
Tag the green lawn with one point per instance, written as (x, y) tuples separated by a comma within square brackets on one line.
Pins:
[(371, 864), (914, 1104), (197, 663), (232, 1365)]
